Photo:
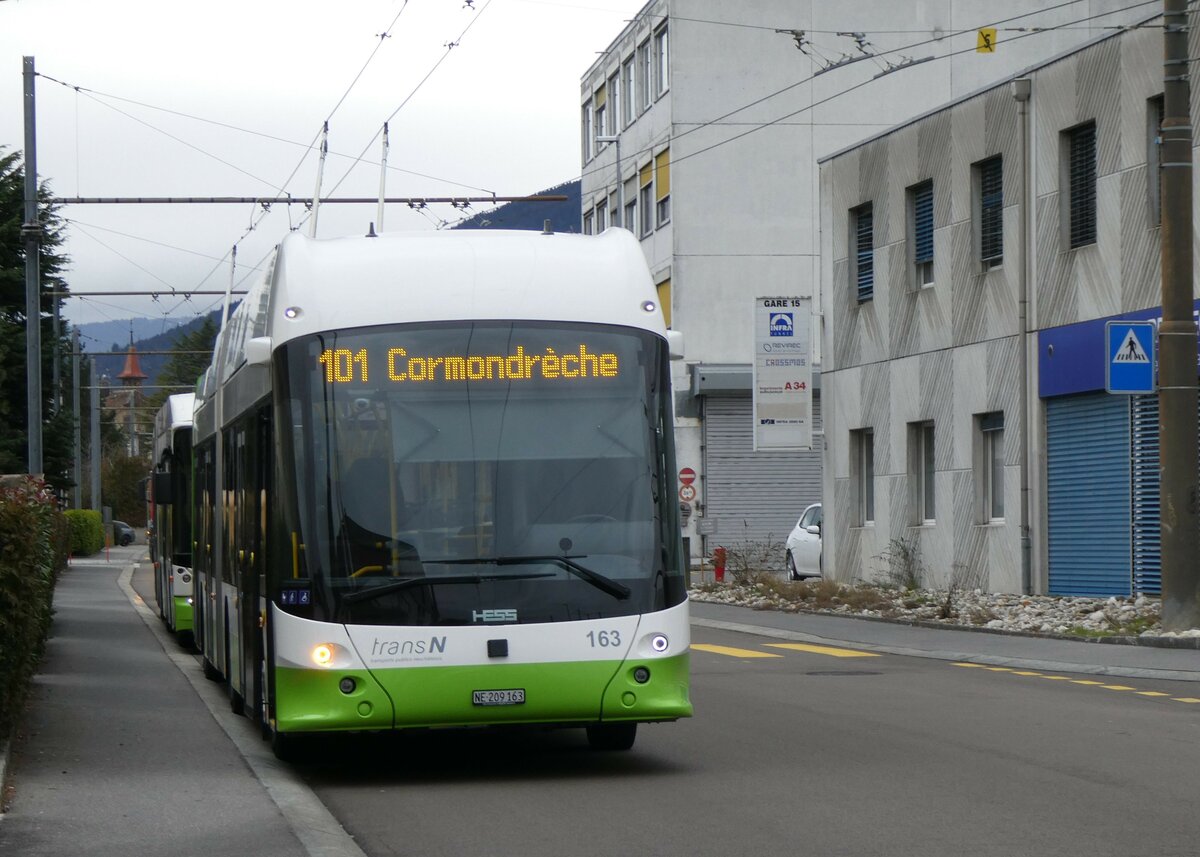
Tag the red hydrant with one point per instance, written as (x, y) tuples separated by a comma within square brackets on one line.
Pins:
[(719, 563)]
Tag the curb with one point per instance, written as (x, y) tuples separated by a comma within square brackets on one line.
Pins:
[(1115, 640)]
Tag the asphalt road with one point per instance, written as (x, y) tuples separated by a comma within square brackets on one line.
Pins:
[(793, 750), (804, 752)]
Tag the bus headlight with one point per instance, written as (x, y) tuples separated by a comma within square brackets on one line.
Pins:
[(322, 654), (185, 577), (659, 643)]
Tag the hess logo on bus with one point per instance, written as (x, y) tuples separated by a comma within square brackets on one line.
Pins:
[(493, 615)]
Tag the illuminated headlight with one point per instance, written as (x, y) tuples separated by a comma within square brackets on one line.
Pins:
[(189, 600), (292, 312), (322, 654), (659, 643), (649, 306)]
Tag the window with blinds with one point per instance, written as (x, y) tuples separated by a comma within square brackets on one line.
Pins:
[(862, 251), (662, 186), (1155, 112), (990, 181), (1081, 185), (920, 211)]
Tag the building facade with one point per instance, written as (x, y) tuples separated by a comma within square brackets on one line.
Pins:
[(701, 125), (971, 260)]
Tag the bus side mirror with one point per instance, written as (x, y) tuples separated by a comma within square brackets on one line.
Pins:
[(162, 488), (675, 344), (258, 351)]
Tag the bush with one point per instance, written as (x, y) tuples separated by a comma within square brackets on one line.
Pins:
[(87, 532), (33, 550)]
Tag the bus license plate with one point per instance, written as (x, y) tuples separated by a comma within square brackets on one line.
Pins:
[(516, 696)]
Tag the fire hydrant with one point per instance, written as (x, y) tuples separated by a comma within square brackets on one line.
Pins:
[(719, 563)]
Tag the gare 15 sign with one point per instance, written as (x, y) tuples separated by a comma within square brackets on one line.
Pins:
[(782, 383)]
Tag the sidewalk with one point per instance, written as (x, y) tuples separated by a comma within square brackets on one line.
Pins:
[(124, 751), (957, 644)]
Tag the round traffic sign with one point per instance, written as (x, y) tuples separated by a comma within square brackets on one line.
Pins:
[(687, 476), (687, 493)]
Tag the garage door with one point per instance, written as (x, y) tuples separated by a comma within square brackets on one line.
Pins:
[(754, 496)]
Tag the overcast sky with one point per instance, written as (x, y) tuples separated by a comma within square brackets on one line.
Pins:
[(497, 113)]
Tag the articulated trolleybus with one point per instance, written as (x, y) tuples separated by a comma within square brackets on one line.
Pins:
[(435, 488), (172, 532)]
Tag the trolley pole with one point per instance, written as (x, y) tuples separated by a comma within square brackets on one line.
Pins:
[(31, 231), (1177, 338)]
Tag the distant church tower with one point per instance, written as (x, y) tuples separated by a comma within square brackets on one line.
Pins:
[(126, 402)]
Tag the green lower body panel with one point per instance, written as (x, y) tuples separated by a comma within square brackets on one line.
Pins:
[(555, 693), (183, 614)]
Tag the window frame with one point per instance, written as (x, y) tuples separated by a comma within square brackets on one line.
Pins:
[(645, 96), (662, 60), (862, 276), (920, 233), (1079, 178), (862, 450), (646, 200), (662, 188), (989, 211), (922, 471), (990, 466), (1156, 112), (587, 130), (628, 86)]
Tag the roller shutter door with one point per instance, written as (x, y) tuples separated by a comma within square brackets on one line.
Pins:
[(1088, 476), (754, 496)]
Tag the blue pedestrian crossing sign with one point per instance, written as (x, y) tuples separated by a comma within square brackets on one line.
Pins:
[(1129, 366)]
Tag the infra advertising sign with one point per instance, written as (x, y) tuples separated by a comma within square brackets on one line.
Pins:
[(782, 373)]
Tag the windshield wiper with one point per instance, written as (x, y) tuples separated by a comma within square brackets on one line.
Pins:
[(598, 580), (410, 582)]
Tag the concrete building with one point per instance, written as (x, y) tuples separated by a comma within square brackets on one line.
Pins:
[(928, 358), (701, 125)]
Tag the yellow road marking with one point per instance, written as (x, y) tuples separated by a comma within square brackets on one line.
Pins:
[(1116, 687), (1024, 672), (999, 669), (1184, 699), (823, 650), (972, 666), (1151, 693), (732, 652), (1057, 677), (1083, 681)]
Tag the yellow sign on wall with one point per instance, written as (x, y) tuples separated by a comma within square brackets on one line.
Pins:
[(986, 43)]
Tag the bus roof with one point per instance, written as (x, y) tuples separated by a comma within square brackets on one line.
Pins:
[(455, 274)]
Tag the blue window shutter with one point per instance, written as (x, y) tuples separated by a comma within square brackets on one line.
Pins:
[(864, 252), (923, 222), (991, 209)]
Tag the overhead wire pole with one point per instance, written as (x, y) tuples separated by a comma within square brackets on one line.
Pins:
[(78, 421), (382, 180), (316, 203), (31, 231), (1177, 338)]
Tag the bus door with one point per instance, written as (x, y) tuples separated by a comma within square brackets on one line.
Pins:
[(252, 559)]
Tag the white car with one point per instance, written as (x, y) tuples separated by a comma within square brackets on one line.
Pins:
[(804, 545)]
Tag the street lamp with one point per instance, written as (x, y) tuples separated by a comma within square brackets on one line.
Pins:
[(616, 139)]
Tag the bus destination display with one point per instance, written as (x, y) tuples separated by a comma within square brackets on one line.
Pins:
[(346, 365)]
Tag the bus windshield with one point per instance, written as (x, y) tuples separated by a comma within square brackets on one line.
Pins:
[(480, 472)]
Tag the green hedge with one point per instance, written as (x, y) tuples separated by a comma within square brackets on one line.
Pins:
[(87, 532), (33, 550)]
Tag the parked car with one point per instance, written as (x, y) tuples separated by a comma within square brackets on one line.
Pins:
[(804, 546), (122, 533)]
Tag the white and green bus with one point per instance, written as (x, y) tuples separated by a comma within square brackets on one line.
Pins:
[(435, 488), (171, 534)]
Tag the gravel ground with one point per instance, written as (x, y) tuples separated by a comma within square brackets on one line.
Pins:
[(1035, 614)]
